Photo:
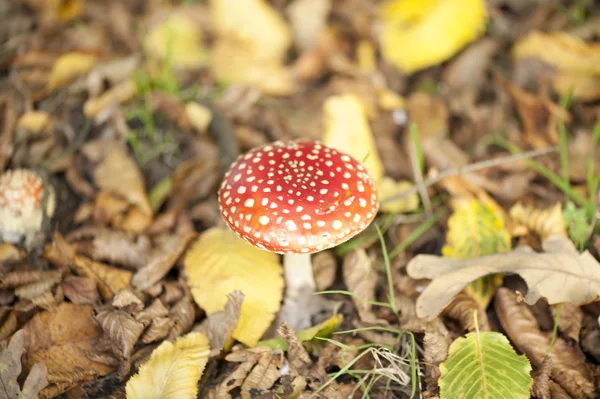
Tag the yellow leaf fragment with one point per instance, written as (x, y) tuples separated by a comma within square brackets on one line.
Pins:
[(35, 121), (475, 229), (219, 263), (117, 94), (199, 116), (417, 34), (68, 67), (388, 188), (346, 128), (173, 370), (178, 39), (543, 222), (577, 62), (560, 274), (251, 46)]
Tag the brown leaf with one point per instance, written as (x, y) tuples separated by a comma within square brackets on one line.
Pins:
[(62, 340), (81, 290), (8, 323), (156, 309), (219, 326), (264, 374), (361, 279), (571, 318), (19, 278), (461, 309), (162, 260), (236, 378), (36, 381), (541, 379), (112, 246), (10, 359), (32, 290), (183, 314), (125, 298), (110, 280), (568, 368), (122, 330), (542, 222), (46, 301), (324, 269), (158, 329)]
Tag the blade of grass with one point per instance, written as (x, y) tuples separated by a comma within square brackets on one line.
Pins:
[(593, 181), (388, 272), (418, 232)]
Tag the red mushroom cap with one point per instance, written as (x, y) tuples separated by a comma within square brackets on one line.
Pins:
[(297, 197)]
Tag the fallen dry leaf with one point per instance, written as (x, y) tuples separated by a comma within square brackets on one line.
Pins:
[(10, 368), (118, 173), (80, 290), (361, 279), (571, 319), (66, 68), (219, 326), (324, 267), (568, 363), (161, 260), (110, 279), (307, 19), (123, 331), (63, 340), (173, 370), (561, 274)]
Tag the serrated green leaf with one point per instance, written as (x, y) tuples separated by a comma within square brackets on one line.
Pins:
[(475, 230), (484, 366), (577, 224)]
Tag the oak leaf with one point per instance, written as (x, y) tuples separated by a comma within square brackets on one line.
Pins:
[(560, 274)]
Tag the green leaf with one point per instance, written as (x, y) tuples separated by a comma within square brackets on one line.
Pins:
[(577, 224), (484, 366)]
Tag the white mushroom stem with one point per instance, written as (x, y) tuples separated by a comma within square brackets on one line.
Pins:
[(298, 273)]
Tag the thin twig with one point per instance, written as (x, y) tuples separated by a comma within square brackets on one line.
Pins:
[(472, 168)]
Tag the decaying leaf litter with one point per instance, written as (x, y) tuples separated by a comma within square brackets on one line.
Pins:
[(477, 123)]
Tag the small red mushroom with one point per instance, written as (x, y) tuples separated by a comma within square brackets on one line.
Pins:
[(22, 204), (299, 197)]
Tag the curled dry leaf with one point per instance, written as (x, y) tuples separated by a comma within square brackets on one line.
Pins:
[(568, 362), (219, 326), (159, 328), (122, 330), (119, 174), (173, 370), (542, 222), (8, 323), (561, 274), (80, 290), (182, 314), (461, 309), (125, 298), (571, 319), (361, 279), (155, 310), (162, 260), (32, 290), (62, 340), (19, 278)]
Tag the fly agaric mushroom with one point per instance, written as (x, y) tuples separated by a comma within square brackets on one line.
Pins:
[(296, 199), (22, 205)]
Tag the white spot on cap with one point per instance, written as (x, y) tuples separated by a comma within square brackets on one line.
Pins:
[(362, 202), (241, 189), (249, 203), (337, 224), (290, 225), (264, 220)]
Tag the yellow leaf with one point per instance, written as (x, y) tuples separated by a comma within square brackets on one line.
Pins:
[(68, 67), (173, 370), (417, 34), (118, 94), (476, 230), (251, 46), (388, 188), (346, 128), (577, 62), (178, 39), (219, 263), (35, 121), (118, 173), (543, 222), (199, 116)]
